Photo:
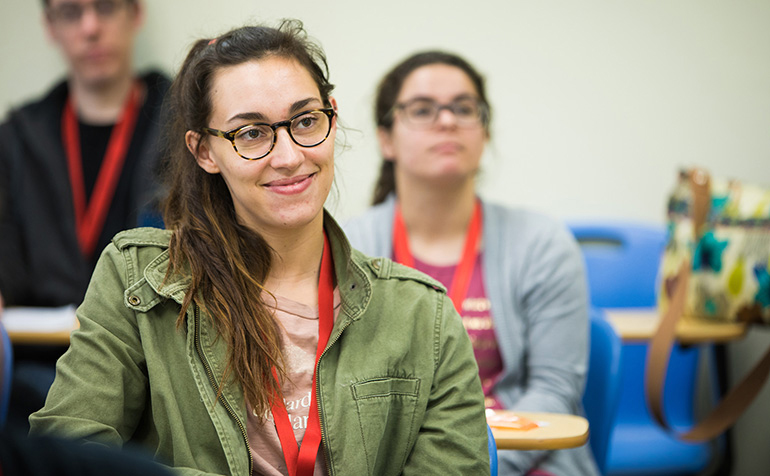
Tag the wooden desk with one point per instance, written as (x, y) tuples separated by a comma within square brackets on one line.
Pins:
[(556, 431), (40, 338), (641, 324), (40, 326)]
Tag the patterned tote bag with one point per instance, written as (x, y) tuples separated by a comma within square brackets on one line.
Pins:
[(714, 268)]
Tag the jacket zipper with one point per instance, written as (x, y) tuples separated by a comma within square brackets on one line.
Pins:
[(329, 469), (222, 400)]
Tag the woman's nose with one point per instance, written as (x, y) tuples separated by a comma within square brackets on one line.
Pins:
[(446, 117), (286, 154)]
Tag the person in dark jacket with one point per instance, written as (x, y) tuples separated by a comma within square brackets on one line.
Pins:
[(76, 167)]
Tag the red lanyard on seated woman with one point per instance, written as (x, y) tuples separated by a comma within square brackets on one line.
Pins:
[(89, 218), (301, 461), (462, 277)]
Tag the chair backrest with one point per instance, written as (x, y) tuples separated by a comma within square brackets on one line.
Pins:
[(492, 447), (622, 261), (602, 392), (6, 372)]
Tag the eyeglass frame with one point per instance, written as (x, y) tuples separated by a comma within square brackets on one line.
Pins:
[(54, 13), (230, 135), (483, 119)]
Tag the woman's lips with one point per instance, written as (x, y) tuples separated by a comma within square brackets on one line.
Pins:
[(446, 148), (290, 186)]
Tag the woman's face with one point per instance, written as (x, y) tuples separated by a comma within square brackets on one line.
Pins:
[(287, 188), (445, 151)]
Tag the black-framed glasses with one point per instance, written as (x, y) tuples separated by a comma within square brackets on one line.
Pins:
[(70, 13), (423, 112), (255, 141)]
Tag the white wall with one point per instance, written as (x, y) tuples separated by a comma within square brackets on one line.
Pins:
[(597, 103)]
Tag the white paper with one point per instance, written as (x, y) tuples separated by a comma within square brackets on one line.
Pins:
[(39, 319)]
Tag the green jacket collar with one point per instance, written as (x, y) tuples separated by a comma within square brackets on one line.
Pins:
[(352, 281)]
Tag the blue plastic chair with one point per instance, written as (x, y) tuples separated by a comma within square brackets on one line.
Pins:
[(6, 367), (602, 392), (492, 447), (622, 262)]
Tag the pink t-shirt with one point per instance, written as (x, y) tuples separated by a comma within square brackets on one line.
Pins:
[(477, 319), (299, 335)]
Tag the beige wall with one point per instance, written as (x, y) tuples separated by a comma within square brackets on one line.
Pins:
[(597, 103)]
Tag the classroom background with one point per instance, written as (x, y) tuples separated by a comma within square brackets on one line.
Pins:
[(596, 104)]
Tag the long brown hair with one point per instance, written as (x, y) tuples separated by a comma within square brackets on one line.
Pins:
[(227, 261), (387, 94)]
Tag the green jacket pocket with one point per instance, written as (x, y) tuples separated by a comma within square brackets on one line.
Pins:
[(386, 409)]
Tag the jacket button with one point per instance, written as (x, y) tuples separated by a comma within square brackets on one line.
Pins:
[(134, 300), (376, 264)]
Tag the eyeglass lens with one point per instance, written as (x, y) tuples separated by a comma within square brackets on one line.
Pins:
[(425, 111), (72, 12), (255, 140)]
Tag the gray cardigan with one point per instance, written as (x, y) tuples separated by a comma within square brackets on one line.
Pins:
[(533, 273)]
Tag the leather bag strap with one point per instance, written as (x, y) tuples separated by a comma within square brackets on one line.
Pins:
[(732, 406)]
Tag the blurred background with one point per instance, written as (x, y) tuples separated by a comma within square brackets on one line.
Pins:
[(597, 104)]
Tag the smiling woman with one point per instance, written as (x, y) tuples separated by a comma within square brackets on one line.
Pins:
[(250, 338), (285, 187)]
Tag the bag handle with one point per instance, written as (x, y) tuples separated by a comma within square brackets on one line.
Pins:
[(700, 187), (732, 406)]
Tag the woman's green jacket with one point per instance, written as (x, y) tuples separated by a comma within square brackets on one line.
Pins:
[(398, 387)]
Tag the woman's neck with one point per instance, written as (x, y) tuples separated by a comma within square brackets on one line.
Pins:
[(296, 262), (100, 104), (436, 219)]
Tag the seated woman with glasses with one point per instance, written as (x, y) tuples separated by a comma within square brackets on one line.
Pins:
[(515, 276), (250, 338)]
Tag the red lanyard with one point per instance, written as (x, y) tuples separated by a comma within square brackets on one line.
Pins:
[(464, 270), (89, 218), (301, 461)]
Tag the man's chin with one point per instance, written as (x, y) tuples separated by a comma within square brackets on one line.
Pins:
[(99, 78)]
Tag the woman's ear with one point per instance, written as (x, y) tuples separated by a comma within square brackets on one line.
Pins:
[(200, 150), (385, 137), (333, 104)]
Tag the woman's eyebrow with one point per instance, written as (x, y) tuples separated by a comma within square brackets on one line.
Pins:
[(302, 104), (258, 116), (248, 116), (429, 98)]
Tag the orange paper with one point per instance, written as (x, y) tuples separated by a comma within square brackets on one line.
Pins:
[(509, 421)]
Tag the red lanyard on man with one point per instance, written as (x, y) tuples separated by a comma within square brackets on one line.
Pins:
[(464, 270), (301, 461), (90, 217)]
